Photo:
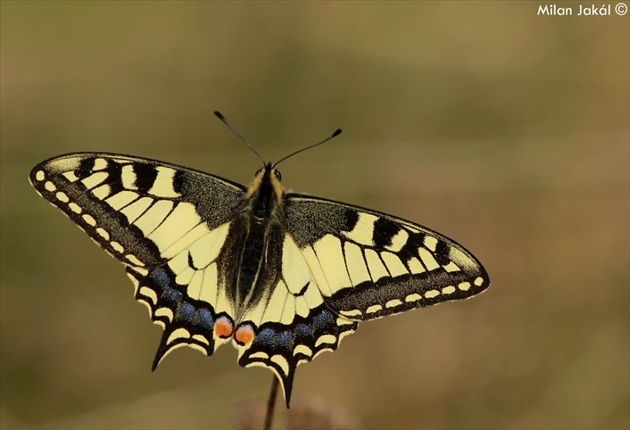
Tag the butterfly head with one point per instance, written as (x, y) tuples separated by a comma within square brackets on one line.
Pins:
[(266, 184), (266, 188)]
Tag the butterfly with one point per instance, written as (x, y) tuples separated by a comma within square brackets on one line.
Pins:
[(281, 276)]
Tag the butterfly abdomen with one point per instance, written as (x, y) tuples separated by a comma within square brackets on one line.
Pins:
[(257, 229), (250, 262)]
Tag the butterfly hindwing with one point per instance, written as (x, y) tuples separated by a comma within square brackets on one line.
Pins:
[(369, 264), (200, 322), (292, 324)]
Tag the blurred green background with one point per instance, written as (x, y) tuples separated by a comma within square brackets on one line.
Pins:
[(505, 130)]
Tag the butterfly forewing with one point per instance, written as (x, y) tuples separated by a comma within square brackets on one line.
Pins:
[(369, 264), (141, 211)]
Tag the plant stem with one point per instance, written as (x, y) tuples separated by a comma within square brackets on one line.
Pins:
[(271, 403)]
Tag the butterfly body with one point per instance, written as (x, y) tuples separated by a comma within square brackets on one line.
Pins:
[(282, 276), (259, 227)]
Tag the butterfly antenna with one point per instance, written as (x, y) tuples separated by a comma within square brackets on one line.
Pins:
[(229, 126), (335, 134)]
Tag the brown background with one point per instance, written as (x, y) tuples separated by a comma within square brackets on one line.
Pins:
[(505, 130)]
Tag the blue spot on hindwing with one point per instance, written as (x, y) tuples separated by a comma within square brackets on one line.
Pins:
[(303, 330), (172, 295), (206, 318), (160, 277), (323, 320), (266, 336), (285, 338), (185, 311)]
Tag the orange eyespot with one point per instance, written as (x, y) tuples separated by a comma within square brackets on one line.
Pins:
[(223, 327), (244, 334)]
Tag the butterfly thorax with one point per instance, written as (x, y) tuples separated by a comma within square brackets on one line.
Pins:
[(257, 236)]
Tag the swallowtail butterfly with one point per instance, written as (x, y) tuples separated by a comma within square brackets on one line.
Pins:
[(282, 276)]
